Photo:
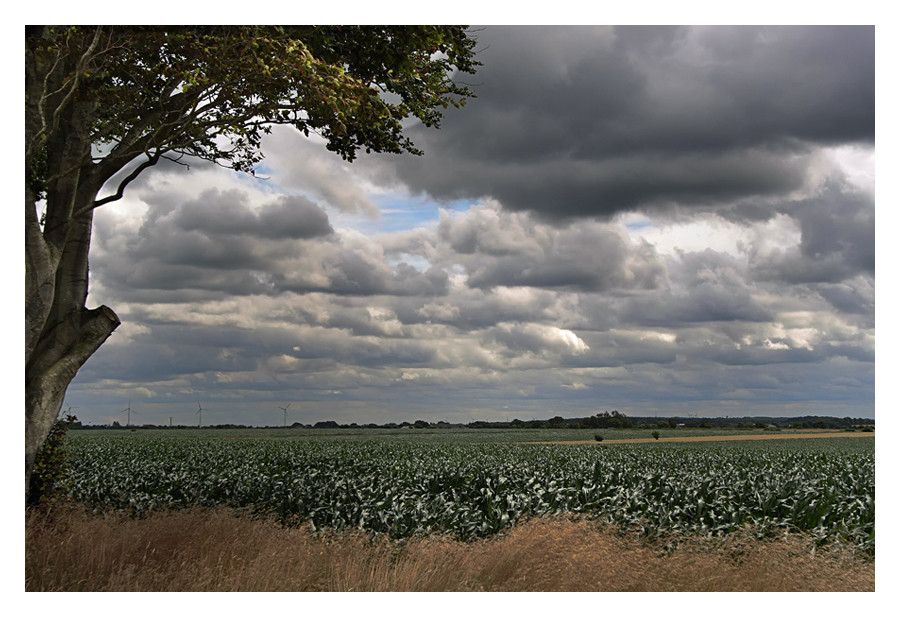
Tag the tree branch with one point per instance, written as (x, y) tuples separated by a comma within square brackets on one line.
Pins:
[(72, 87), (150, 162), (70, 342)]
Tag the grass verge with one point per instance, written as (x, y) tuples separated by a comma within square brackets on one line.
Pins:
[(67, 549)]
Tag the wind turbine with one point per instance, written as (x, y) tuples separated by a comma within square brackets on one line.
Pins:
[(284, 409), (129, 410), (200, 413)]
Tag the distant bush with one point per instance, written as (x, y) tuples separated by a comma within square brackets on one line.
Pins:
[(868, 429), (598, 437), (655, 434)]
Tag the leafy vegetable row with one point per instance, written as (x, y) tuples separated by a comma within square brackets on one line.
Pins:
[(475, 490)]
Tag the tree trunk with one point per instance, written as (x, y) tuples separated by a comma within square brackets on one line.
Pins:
[(63, 350), (60, 332), (69, 335)]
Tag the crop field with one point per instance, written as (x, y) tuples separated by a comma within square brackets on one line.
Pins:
[(472, 484)]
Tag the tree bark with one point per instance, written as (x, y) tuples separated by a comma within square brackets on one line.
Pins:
[(60, 332), (62, 352), (67, 332)]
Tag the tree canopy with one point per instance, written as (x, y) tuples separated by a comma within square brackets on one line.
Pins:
[(212, 92)]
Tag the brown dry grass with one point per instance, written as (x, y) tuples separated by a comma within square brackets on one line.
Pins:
[(214, 550)]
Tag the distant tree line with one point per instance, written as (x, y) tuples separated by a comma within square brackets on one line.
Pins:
[(605, 419)]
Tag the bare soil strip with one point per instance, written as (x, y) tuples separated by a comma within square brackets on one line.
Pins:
[(720, 438)]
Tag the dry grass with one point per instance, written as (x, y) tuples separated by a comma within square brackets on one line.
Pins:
[(213, 550)]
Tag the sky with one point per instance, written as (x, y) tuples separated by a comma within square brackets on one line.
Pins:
[(666, 221)]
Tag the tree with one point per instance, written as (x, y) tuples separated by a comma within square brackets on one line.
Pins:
[(103, 104), (607, 420), (556, 422), (327, 424)]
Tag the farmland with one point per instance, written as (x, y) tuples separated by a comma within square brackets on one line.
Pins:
[(471, 484)]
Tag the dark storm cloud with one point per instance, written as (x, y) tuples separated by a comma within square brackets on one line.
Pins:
[(359, 273), (856, 296), (508, 249), (173, 349), (837, 239), (197, 341), (708, 302), (227, 214), (473, 309), (592, 121), (194, 244), (706, 286), (220, 244)]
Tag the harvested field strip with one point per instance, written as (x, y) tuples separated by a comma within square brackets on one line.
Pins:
[(719, 438)]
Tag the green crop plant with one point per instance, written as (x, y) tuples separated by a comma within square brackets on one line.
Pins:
[(402, 487)]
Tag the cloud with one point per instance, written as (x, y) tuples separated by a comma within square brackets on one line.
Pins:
[(216, 213), (705, 286), (221, 243), (537, 339), (855, 296), (497, 248), (297, 163), (653, 219), (837, 238), (572, 122)]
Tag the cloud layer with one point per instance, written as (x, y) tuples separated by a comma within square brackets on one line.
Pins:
[(592, 121), (656, 220)]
